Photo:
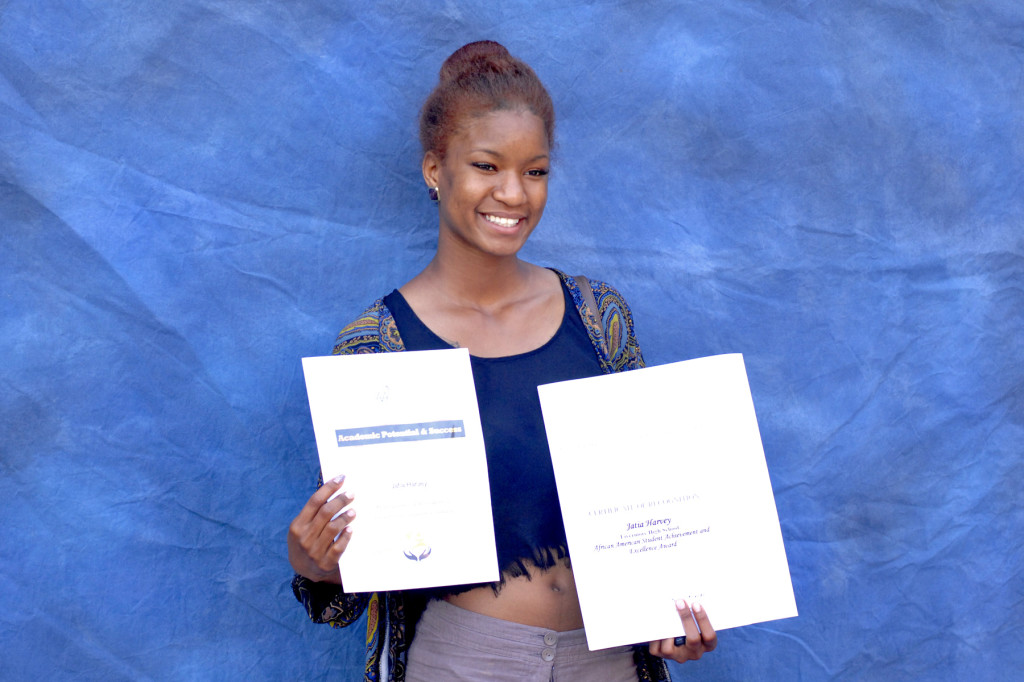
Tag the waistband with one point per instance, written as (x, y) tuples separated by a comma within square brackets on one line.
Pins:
[(504, 638)]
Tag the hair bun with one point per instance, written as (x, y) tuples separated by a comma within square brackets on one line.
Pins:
[(483, 55), (476, 79)]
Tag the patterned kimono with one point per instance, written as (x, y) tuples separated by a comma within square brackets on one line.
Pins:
[(391, 616)]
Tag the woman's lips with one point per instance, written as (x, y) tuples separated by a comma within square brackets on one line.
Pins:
[(506, 223)]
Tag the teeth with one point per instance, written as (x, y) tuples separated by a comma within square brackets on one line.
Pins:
[(503, 222)]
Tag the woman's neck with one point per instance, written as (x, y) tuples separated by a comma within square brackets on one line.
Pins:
[(477, 280), (494, 306)]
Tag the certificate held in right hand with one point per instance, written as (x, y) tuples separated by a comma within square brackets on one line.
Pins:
[(670, 500)]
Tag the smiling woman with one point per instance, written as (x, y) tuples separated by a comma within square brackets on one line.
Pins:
[(487, 132)]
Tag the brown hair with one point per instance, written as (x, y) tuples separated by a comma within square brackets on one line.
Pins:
[(476, 79)]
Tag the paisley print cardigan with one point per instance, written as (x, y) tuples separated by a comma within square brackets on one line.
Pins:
[(391, 616)]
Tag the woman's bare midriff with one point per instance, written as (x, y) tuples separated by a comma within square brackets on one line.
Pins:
[(545, 599)]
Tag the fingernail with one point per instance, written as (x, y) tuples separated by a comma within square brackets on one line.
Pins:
[(338, 479), (680, 604), (696, 607)]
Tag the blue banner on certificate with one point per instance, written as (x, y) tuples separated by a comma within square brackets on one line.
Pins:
[(399, 433), (667, 498), (404, 429)]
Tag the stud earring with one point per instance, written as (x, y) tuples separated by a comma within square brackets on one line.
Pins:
[(434, 193)]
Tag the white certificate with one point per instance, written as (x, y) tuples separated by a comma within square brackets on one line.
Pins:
[(404, 428), (665, 494)]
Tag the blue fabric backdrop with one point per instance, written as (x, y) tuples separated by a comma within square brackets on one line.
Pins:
[(196, 194)]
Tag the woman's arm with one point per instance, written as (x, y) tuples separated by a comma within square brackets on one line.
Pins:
[(327, 603)]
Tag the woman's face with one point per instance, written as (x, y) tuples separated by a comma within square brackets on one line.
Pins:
[(493, 181)]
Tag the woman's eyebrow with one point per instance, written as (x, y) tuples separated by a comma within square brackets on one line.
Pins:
[(499, 154)]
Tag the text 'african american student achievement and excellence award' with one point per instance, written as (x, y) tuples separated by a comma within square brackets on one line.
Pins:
[(404, 429), (666, 496)]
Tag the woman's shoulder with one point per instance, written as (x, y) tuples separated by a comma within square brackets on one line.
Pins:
[(608, 319), (605, 295), (373, 331)]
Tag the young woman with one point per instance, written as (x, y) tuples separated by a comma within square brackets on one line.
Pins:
[(487, 131)]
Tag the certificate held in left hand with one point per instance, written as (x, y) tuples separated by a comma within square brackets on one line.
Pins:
[(404, 430)]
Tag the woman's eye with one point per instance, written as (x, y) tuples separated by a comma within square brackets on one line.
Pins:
[(537, 172), (484, 166)]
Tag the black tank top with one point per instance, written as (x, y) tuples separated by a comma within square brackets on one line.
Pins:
[(527, 519)]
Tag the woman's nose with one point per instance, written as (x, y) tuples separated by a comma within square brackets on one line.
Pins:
[(510, 189)]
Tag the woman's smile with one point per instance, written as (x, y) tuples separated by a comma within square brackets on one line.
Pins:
[(506, 223)]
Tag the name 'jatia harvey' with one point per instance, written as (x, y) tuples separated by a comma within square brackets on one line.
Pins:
[(649, 523)]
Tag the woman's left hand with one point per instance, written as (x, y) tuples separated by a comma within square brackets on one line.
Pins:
[(700, 636)]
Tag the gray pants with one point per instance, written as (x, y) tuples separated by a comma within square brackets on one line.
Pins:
[(454, 644)]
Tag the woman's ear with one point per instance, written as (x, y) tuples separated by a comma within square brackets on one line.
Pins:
[(431, 169)]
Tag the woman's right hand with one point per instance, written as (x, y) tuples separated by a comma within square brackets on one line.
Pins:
[(319, 534)]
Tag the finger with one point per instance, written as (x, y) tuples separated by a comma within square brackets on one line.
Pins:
[(319, 498), (338, 526), (325, 525), (691, 648), (689, 626), (679, 648), (339, 545), (315, 533), (331, 533), (306, 530), (672, 648), (332, 510), (707, 631), (663, 648)]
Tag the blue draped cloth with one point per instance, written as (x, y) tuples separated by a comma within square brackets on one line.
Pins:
[(194, 195)]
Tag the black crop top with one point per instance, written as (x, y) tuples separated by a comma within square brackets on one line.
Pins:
[(524, 501)]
